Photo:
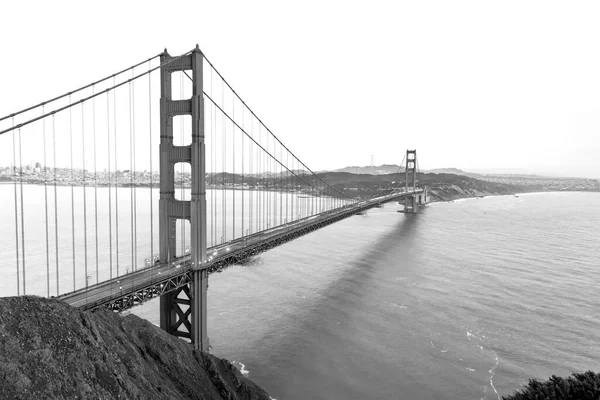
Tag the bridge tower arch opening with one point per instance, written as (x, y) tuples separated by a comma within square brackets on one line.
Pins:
[(183, 311)]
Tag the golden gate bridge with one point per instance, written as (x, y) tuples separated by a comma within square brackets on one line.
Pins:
[(92, 223)]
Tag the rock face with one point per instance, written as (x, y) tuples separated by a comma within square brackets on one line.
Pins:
[(50, 350)]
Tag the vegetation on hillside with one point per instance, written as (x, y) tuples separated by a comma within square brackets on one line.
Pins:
[(579, 386)]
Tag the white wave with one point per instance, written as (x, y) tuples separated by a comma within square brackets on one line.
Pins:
[(241, 367), (437, 348), (243, 370), (493, 372)]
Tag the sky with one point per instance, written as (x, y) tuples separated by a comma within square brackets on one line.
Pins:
[(477, 85)]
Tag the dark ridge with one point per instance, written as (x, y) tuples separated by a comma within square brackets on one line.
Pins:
[(50, 350)]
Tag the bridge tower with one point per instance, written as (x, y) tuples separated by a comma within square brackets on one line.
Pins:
[(410, 174), (185, 307)]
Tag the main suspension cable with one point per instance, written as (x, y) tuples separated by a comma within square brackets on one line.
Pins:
[(265, 151), (76, 90), (115, 86), (268, 130)]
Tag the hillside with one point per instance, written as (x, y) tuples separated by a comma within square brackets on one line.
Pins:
[(443, 186), (449, 186), (372, 169), (50, 350)]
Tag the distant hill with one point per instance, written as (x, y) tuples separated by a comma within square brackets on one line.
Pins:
[(384, 169), (492, 174)]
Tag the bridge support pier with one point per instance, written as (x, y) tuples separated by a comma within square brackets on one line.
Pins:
[(199, 309), (183, 311)]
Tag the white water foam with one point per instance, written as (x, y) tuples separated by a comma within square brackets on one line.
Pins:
[(241, 367), (437, 348), (492, 371)]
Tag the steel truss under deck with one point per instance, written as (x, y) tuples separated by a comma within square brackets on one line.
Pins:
[(181, 281)]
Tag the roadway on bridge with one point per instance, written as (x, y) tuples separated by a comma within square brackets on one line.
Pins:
[(117, 288)]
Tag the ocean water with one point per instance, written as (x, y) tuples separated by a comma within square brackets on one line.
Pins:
[(466, 300)]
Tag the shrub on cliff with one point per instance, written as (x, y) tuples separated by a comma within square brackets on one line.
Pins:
[(584, 386)]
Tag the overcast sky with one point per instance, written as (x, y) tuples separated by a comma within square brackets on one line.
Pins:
[(475, 85)]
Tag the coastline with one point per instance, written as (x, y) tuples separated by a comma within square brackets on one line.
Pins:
[(436, 198)]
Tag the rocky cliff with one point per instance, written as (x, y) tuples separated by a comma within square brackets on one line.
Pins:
[(50, 350)]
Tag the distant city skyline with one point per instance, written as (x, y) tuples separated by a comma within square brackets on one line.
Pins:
[(491, 171)]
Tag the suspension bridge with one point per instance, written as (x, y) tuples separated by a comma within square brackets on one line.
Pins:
[(85, 216)]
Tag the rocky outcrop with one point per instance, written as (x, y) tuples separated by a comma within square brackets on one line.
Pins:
[(50, 350)]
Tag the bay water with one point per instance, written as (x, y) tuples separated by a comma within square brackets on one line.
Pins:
[(465, 300)]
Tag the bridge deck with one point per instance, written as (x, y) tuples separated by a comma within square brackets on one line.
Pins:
[(132, 289)]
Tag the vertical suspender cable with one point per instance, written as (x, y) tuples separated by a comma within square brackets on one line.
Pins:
[(151, 170), (22, 213), (213, 204), (95, 182), (212, 161), (84, 197), (281, 185), (134, 175), (233, 159), (260, 178), (116, 179), (266, 193), (55, 205), (291, 188), (131, 177), (14, 170), (110, 253), (258, 185), (287, 186), (224, 163), (252, 178), (214, 188), (212, 171), (72, 188), (46, 208), (264, 183), (243, 188)]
